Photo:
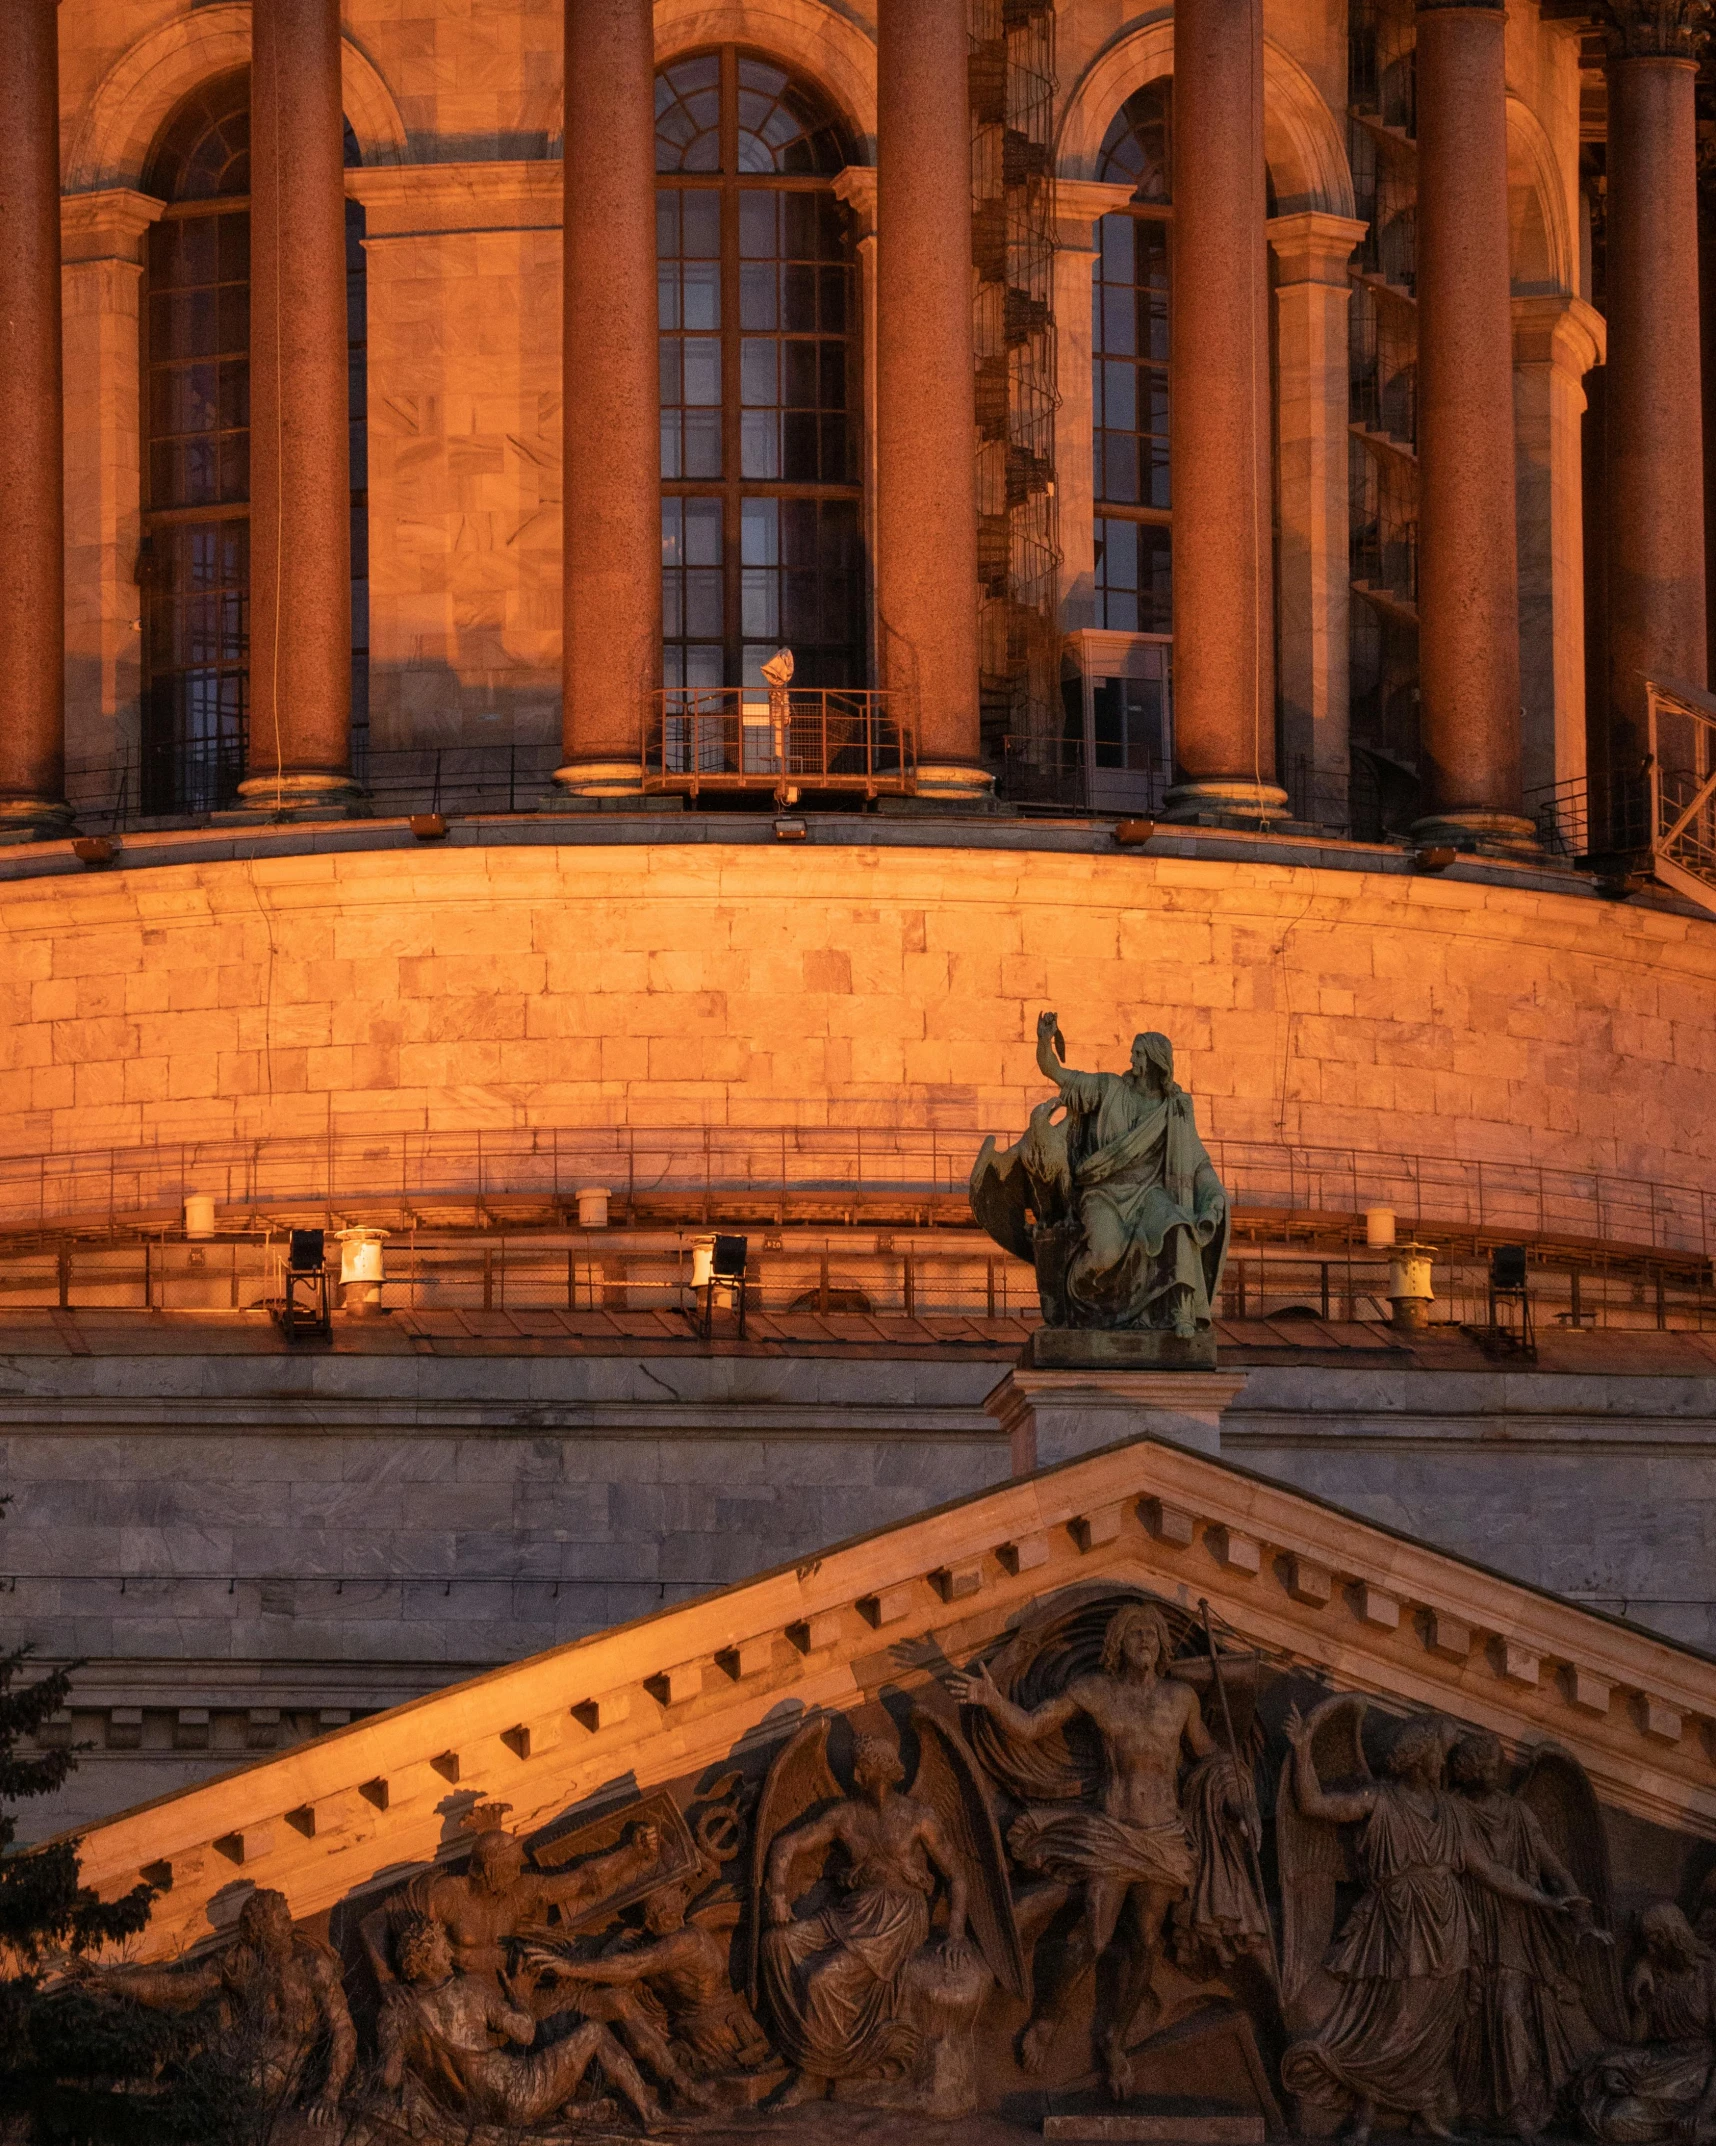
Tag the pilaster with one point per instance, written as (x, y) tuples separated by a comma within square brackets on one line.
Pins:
[(1556, 342), (465, 487), (102, 240), (1312, 248)]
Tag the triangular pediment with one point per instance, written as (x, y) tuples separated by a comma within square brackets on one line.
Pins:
[(1321, 1594)]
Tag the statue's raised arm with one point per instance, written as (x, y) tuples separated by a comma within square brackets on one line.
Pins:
[(1112, 1196)]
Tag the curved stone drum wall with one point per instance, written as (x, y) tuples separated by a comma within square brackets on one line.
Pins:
[(588, 980)]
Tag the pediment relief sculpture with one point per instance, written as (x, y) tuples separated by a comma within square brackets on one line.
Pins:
[(1117, 1857)]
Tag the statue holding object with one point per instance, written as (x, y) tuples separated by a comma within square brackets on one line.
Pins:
[(1129, 1845), (1130, 1223)]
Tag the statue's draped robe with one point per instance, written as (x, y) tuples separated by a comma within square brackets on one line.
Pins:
[(1401, 1963), (833, 1979), (1641, 2096), (1526, 2030), (1134, 1162)]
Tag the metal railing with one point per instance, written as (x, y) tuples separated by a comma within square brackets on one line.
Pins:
[(1682, 771), (793, 738), (913, 1174), (449, 779), (624, 1284)]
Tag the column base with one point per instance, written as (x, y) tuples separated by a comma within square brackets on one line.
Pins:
[(295, 794), (944, 786), (585, 786), (34, 819), (1226, 801), (582, 785), (1479, 832), (1052, 1416)]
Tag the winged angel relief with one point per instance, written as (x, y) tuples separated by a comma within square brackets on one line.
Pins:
[(928, 1926), (856, 1989), (1471, 1976)]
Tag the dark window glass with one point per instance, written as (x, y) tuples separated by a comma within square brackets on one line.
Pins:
[(1129, 382), (195, 553), (759, 449)]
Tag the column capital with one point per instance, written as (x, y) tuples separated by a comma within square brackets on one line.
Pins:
[(1656, 29), (1314, 245), (1081, 204), (855, 184), (106, 226), (1551, 328)]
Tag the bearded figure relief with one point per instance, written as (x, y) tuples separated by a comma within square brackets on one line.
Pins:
[(1111, 1195)]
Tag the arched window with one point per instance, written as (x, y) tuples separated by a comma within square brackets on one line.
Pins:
[(1130, 388), (760, 517), (194, 561)]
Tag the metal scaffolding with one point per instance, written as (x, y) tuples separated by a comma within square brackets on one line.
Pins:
[(1383, 375), (1012, 80)]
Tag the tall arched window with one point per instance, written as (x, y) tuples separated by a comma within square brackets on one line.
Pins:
[(194, 562), (1130, 351), (760, 515)]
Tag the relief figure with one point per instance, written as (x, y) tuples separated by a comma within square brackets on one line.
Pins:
[(669, 1996), (282, 2007), (1661, 2092), (1127, 1849), (485, 1908), (1527, 2028), (442, 2036), (1131, 1223), (842, 1980), (1398, 1968)]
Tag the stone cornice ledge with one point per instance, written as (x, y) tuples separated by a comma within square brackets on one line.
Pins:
[(430, 200), (670, 1694)]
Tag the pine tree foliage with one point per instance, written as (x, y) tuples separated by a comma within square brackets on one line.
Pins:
[(63, 2051)]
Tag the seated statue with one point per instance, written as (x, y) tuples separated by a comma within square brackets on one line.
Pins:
[(438, 2035), (1663, 2087), (1131, 1221)]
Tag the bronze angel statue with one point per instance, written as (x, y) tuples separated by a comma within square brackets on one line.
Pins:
[(1131, 1222), (1381, 2005), (843, 1899), (1094, 1724)]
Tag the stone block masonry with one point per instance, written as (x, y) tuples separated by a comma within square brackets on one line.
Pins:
[(507, 984)]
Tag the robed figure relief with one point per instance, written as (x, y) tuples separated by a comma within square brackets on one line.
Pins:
[(845, 1972), (1131, 1222), (1091, 1732), (1544, 1994), (1662, 2090), (1384, 2002)]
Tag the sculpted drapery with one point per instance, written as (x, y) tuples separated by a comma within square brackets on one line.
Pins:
[(1131, 1222)]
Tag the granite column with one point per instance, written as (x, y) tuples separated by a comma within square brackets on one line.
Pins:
[(611, 653), (298, 756), (1468, 563), (1218, 416), (32, 480), (926, 408), (1653, 404)]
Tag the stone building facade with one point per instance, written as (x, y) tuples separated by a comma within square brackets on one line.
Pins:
[(1161, 437)]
